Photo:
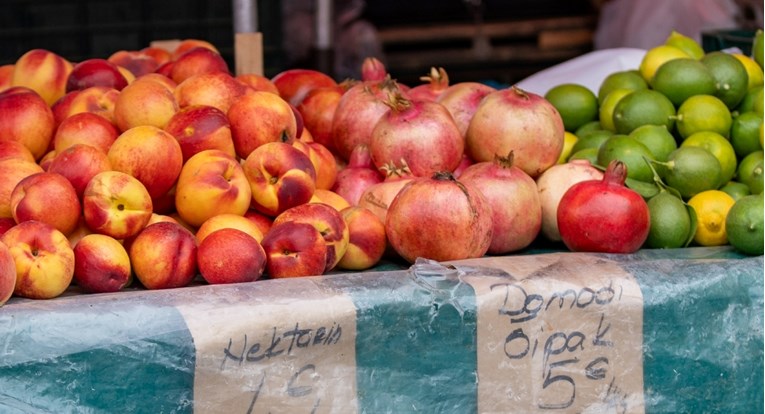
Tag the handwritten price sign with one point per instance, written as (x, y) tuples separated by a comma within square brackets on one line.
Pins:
[(561, 333), (261, 356)]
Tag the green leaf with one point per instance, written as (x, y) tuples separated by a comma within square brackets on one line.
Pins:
[(646, 190), (694, 224)]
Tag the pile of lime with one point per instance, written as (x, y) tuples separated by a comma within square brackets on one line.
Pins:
[(688, 124)]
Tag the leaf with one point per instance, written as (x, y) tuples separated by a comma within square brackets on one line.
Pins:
[(694, 224), (646, 190)]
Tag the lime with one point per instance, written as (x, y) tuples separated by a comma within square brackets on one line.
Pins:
[(576, 104), (643, 107), (587, 128), (606, 110), (691, 170), (569, 140), (679, 79), (718, 146), (657, 56), (736, 189), (750, 170), (626, 79), (589, 154), (657, 138), (753, 70), (670, 222), (711, 208), (703, 113), (730, 75), (753, 101), (686, 44), (591, 140), (744, 225), (757, 47), (631, 152), (745, 133)]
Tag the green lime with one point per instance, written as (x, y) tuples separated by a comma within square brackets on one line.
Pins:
[(750, 171), (679, 79), (745, 133), (587, 128), (757, 48), (686, 44), (657, 138), (670, 222), (631, 152), (589, 154), (656, 57), (691, 170), (606, 110), (703, 113), (730, 75), (576, 104), (626, 79), (720, 147), (736, 189), (753, 101), (744, 225), (643, 107), (591, 140)]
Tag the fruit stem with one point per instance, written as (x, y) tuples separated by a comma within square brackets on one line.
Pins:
[(616, 173), (520, 92), (505, 162)]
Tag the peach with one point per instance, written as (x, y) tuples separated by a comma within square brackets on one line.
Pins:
[(280, 177), (200, 127), (259, 118), (149, 154), (95, 72), (257, 82), (43, 257), (211, 183), (230, 221), (330, 198), (85, 128), (79, 163), (15, 150), (159, 54), (26, 118), (294, 250), (294, 84), (137, 62), (12, 171), (6, 76), (196, 61), (8, 274), (230, 256), (186, 45), (6, 223), (318, 109), (99, 100), (34, 195), (217, 89), (44, 72), (116, 204), (144, 102), (164, 256), (328, 221), (101, 264), (79, 232), (367, 242), (262, 221), (161, 79), (323, 161)]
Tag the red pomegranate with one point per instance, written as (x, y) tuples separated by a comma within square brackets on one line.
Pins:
[(377, 197), (462, 99), (420, 133), (435, 84), (357, 176), (514, 200), (439, 218), (515, 120), (372, 69), (604, 215)]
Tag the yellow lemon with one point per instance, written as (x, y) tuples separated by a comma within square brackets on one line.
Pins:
[(569, 140), (656, 57), (686, 44), (711, 208), (753, 70)]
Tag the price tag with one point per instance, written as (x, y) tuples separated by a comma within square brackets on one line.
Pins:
[(258, 352), (558, 333)]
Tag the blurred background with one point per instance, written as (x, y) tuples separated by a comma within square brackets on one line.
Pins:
[(501, 41)]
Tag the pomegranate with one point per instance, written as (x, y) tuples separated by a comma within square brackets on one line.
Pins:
[(439, 218), (604, 215), (377, 197), (356, 176), (553, 183), (421, 133), (524, 122), (514, 200), (462, 99), (318, 109), (464, 163), (357, 113), (436, 83), (372, 69)]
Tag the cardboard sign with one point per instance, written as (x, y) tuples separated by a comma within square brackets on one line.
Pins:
[(257, 353), (558, 333)]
